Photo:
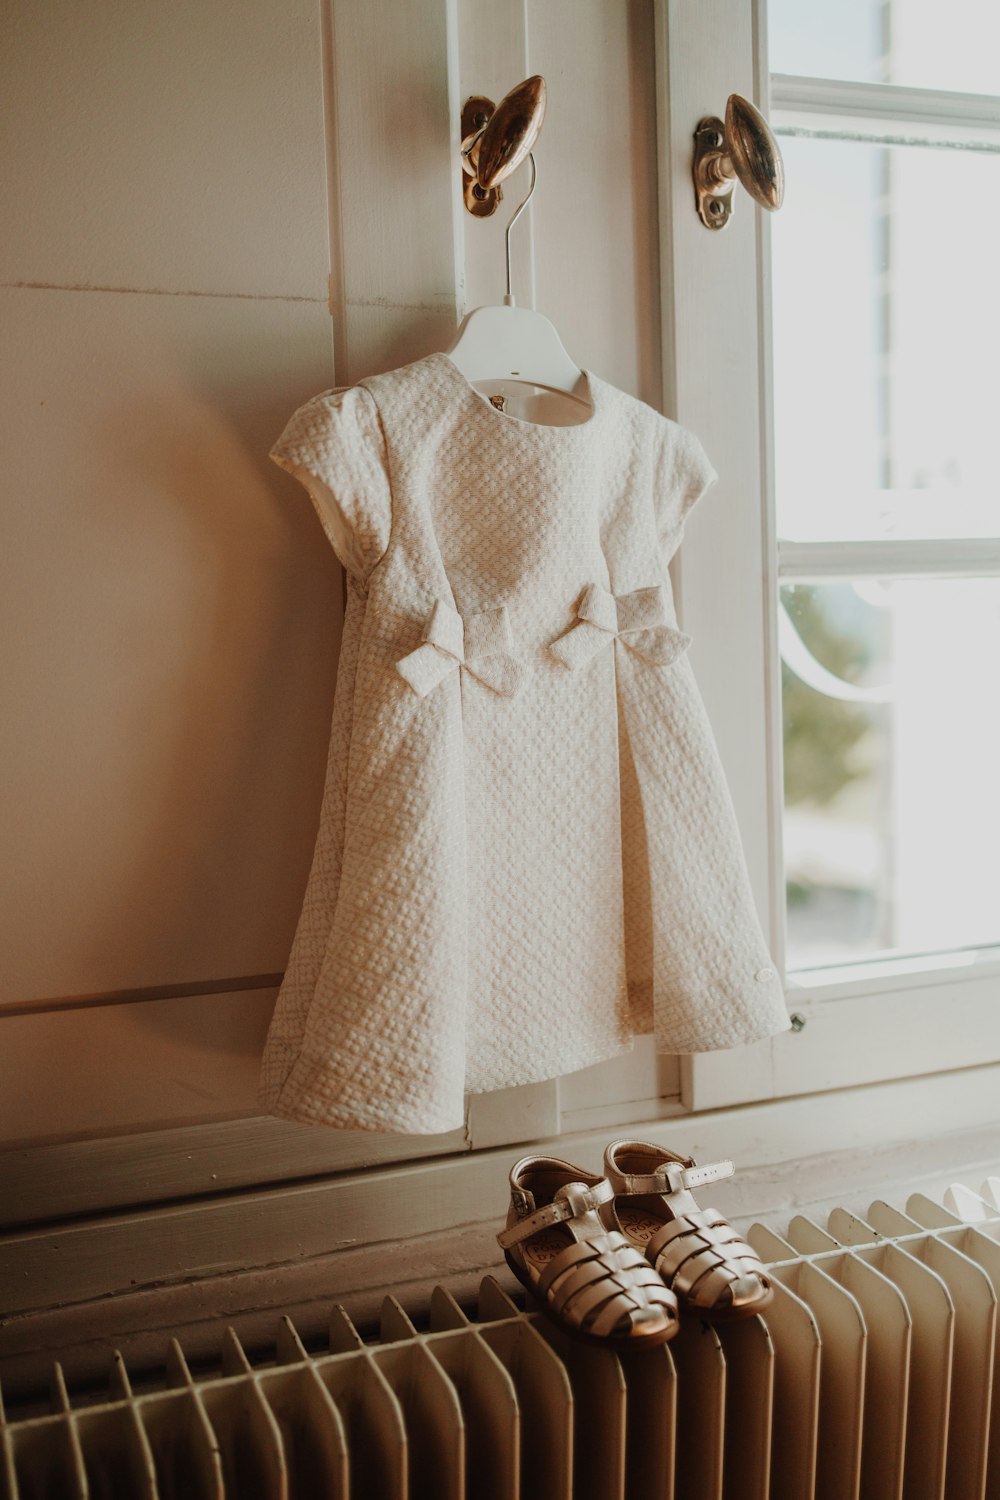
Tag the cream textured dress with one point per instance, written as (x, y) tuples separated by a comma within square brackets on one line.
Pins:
[(527, 852)]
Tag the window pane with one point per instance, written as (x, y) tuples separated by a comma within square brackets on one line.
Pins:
[(886, 324), (913, 42), (892, 749)]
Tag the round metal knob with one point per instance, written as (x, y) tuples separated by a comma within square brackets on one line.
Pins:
[(744, 148)]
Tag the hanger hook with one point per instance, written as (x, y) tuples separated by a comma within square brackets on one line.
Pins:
[(519, 210)]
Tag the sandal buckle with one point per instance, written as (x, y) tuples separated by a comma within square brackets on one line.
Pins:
[(521, 1202)]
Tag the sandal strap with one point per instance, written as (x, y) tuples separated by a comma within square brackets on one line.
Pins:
[(584, 1199), (599, 1285), (698, 1255), (574, 1254), (671, 1177), (596, 1291), (651, 1294), (603, 1255), (698, 1221)]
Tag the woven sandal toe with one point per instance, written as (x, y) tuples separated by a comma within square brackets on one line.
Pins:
[(697, 1252), (582, 1270)]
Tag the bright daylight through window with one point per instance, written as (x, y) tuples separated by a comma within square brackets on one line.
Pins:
[(886, 327)]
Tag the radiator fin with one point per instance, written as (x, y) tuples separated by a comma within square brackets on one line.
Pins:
[(871, 1377)]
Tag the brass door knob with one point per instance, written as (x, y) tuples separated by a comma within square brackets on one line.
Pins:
[(743, 148), (497, 138)]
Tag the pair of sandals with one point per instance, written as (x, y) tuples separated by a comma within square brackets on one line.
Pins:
[(611, 1258)]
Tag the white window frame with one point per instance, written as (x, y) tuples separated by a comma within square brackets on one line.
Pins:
[(877, 1021)]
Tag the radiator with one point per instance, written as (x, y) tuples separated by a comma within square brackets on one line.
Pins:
[(869, 1376)]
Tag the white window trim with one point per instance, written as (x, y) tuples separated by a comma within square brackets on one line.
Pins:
[(717, 376), (962, 557), (868, 111)]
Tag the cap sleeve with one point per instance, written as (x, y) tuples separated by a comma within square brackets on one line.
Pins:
[(333, 445), (685, 473)]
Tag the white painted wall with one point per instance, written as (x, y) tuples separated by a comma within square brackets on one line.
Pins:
[(170, 613), (175, 176)]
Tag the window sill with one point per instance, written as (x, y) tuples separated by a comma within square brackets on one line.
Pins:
[(890, 973), (131, 1278)]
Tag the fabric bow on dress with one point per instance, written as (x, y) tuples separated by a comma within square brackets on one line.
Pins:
[(639, 619), (481, 643)]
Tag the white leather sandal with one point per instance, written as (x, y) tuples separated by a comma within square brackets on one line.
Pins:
[(582, 1270), (697, 1252)]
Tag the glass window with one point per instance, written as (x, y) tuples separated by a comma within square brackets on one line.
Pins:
[(886, 322), (912, 42), (892, 743), (886, 325)]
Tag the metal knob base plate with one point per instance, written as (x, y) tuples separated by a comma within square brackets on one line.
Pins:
[(741, 148)]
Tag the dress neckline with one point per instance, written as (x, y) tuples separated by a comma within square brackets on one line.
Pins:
[(517, 424)]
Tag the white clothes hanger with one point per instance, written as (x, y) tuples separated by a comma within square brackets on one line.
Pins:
[(498, 344), (510, 342)]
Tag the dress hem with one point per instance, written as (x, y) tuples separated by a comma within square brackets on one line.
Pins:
[(546, 1075), (727, 1042), (362, 1122)]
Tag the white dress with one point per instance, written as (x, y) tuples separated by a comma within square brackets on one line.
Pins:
[(527, 852)]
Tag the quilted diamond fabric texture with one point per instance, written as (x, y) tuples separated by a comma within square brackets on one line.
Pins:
[(527, 853)]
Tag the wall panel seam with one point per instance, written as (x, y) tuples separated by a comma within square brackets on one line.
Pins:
[(155, 291), (133, 997)]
